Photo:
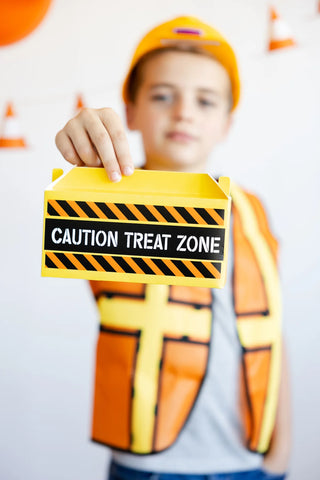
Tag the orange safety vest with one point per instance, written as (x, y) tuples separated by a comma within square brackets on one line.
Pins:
[(153, 347)]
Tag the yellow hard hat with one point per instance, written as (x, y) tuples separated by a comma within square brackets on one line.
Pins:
[(191, 31)]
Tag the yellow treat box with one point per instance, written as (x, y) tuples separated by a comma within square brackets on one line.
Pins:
[(151, 227)]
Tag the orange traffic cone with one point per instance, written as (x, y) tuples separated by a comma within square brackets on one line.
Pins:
[(280, 34), (79, 104), (10, 133), (319, 6)]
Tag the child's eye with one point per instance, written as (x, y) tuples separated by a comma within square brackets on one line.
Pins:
[(206, 103), (161, 97)]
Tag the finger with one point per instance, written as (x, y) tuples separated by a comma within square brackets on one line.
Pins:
[(118, 136), (82, 144), (66, 148), (101, 140)]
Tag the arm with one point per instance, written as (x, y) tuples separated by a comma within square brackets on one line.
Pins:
[(277, 458)]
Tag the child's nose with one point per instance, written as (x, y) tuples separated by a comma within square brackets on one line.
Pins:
[(183, 109)]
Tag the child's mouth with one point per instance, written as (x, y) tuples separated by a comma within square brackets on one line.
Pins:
[(180, 137)]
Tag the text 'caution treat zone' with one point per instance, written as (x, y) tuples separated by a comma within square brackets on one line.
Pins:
[(152, 227)]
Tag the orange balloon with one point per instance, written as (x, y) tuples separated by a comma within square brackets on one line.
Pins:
[(18, 18)]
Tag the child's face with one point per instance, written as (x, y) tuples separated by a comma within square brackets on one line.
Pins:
[(181, 109)]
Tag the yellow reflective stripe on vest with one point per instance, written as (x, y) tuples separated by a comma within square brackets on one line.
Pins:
[(156, 318), (261, 331), (254, 331)]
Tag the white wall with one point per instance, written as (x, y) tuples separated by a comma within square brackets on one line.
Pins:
[(48, 326)]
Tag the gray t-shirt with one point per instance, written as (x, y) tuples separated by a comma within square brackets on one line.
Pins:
[(211, 441)]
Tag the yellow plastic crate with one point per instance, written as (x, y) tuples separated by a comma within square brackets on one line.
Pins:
[(151, 227)]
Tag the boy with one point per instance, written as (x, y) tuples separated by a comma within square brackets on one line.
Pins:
[(180, 92)]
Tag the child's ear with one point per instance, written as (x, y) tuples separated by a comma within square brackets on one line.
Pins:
[(130, 116), (227, 126)]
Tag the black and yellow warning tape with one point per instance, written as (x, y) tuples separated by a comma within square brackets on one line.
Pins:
[(136, 212), (135, 265)]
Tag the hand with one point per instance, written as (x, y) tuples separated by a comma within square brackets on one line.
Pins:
[(273, 468), (96, 137), (266, 475)]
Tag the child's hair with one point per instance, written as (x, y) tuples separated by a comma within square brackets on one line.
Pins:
[(136, 75)]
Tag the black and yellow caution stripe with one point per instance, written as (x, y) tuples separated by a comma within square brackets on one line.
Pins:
[(135, 212), (134, 265)]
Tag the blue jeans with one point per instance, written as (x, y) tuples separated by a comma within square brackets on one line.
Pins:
[(118, 472)]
